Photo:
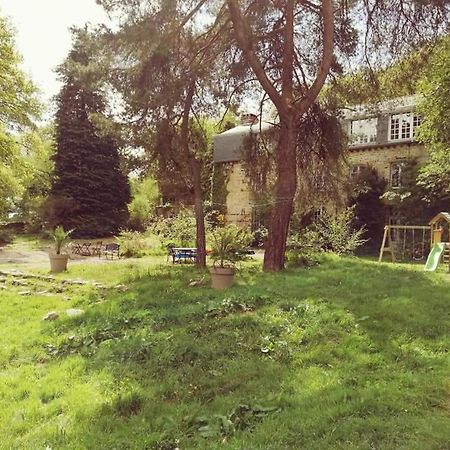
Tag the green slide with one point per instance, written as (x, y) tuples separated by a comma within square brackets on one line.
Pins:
[(434, 257)]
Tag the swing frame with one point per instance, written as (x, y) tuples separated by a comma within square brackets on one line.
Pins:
[(387, 239)]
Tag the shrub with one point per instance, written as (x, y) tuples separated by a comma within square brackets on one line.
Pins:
[(336, 234), (304, 249), (6, 236), (132, 244), (180, 230)]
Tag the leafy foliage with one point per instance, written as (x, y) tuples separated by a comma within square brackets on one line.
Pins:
[(179, 229), (145, 196), (61, 237), (336, 232), (434, 131), (132, 244), (19, 105), (413, 203), (227, 245)]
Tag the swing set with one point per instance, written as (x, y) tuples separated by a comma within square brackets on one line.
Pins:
[(418, 242), (406, 242)]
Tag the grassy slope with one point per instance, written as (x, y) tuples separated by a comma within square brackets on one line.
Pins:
[(351, 354)]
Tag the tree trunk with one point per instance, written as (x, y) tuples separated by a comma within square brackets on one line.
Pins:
[(285, 188), (199, 214)]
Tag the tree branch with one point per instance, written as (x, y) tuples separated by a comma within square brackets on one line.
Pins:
[(311, 94), (242, 33)]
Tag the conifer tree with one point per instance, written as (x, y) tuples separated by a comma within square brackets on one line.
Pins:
[(89, 193)]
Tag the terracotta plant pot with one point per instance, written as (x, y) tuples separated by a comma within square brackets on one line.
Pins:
[(222, 277), (58, 263)]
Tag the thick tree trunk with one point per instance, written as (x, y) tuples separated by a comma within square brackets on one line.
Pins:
[(199, 214), (285, 188)]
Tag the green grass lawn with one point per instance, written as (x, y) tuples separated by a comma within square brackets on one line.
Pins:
[(347, 355)]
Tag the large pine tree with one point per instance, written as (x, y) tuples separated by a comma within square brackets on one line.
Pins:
[(90, 192)]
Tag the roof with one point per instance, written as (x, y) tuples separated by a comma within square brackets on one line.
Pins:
[(228, 145), (441, 215)]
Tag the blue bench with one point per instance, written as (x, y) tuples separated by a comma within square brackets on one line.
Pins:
[(183, 254)]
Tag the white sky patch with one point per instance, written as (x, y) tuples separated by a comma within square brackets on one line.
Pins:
[(43, 37)]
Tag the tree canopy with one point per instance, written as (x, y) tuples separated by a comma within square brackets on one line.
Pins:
[(19, 107)]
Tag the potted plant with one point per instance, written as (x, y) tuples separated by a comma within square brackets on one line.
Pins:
[(227, 244), (58, 260)]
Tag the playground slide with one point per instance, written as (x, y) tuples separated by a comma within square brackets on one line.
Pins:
[(434, 257)]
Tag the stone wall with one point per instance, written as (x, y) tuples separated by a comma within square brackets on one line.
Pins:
[(239, 200), (381, 158)]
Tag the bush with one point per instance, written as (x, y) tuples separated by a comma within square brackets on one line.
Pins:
[(330, 234), (6, 236), (132, 244), (304, 249), (180, 230), (336, 234)]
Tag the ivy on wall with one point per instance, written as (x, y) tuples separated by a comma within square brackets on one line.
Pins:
[(219, 192)]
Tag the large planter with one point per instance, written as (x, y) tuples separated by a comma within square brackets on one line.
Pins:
[(222, 277), (58, 263)]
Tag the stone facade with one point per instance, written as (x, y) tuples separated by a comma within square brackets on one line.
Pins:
[(239, 199), (381, 137), (382, 158)]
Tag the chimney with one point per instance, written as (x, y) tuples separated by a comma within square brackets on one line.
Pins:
[(249, 119)]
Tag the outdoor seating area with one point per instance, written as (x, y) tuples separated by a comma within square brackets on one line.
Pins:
[(108, 250)]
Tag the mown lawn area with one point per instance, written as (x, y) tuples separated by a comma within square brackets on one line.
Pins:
[(347, 355)]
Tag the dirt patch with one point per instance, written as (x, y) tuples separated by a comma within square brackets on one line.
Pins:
[(16, 254)]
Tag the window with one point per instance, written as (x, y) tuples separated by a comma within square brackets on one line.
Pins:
[(364, 131), (396, 174), (403, 126), (357, 170)]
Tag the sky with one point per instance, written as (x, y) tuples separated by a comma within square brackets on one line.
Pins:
[(42, 34)]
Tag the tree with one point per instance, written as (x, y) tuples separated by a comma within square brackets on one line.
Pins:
[(37, 148), (145, 196), (434, 131), (291, 48), (19, 106), (165, 62), (89, 193)]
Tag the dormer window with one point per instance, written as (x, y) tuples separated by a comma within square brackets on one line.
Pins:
[(403, 126), (364, 131)]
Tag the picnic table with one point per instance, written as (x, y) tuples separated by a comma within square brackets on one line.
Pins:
[(182, 254)]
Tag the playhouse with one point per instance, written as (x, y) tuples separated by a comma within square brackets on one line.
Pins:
[(419, 242)]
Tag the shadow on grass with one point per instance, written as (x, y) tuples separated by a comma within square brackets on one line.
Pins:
[(334, 357)]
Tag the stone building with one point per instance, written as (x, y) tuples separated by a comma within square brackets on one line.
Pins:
[(381, 136)]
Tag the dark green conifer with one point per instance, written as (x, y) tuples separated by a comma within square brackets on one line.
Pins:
[(90, 192)]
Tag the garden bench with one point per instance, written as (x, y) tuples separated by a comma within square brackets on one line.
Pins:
[(182, 254)]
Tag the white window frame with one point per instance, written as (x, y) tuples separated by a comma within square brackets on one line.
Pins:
[(364, 138), (407, 126)]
